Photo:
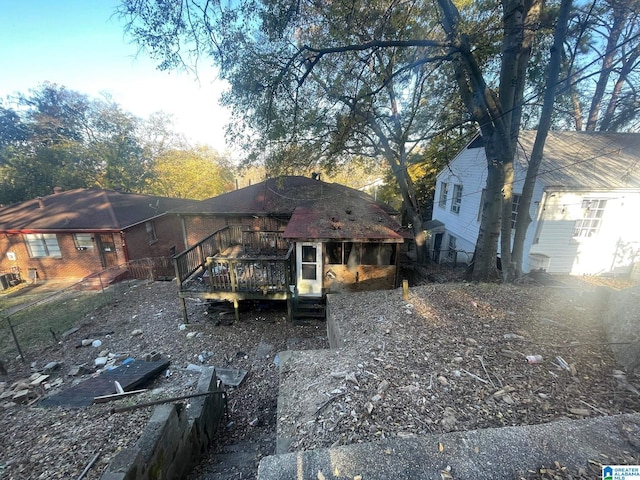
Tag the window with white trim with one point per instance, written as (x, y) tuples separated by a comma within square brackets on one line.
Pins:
[(444, 191), (589, 224), (83, 241), (451, 252), (457, 198), (42, 245)]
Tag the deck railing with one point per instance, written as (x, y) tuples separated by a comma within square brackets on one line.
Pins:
[(255, 274), (193, 259)]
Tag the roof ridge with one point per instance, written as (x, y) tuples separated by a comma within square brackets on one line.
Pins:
[(112, 212)]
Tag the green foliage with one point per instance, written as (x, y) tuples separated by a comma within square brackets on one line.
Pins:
[(196, 173), (55, 137)]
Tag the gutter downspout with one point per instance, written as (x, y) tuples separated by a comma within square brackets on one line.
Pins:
[(183, 225), (125, 249)]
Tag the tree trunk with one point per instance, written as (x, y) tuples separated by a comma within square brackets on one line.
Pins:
[(412, 208), (607, 64), (508, 268), (486, 251), (524, 219)]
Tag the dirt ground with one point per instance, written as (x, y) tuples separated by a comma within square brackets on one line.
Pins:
[(450, 358), (39, 443)]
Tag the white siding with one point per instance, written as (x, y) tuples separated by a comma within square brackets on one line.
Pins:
[(554, 211), (614, 247), (469, 170)]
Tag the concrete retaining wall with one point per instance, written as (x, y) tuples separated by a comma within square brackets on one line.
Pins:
[(175, 438), (334, 334)]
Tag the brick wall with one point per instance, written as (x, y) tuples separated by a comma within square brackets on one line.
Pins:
[(199, 227), (168, 235), (72, 264)]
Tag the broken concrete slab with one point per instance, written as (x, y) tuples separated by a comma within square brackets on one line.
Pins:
[(230, 376), (263, 351)]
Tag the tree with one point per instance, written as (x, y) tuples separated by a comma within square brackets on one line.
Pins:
[(56, 137), (523, 221), (325, 80), (197, 173), (601, 64), (115, 149), (314, 108)]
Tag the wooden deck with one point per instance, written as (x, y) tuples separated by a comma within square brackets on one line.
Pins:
[(235, 264)]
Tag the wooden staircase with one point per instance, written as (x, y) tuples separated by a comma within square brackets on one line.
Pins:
[(308, 308)]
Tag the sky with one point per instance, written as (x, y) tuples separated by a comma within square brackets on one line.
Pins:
[(81, 44)]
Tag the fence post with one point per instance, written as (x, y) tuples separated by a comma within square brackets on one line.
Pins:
[(15, 339)]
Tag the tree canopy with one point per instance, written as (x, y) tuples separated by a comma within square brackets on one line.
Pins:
[(321, 82), (56, 137)]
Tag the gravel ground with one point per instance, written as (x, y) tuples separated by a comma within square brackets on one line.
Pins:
[(452, 360)]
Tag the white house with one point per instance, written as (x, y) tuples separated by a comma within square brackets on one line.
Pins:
[(585, 206)]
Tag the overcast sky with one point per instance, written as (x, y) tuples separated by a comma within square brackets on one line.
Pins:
[(81, 45)]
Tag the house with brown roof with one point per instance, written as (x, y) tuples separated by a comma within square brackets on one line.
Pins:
[(74, 234), (584, 206), (288, 238)]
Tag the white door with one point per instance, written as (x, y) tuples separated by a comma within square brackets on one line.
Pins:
[(309, 268)]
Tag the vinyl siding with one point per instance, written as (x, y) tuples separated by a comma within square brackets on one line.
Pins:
[(613, 248), (469, 169)]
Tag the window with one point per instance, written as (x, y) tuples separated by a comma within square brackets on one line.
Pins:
[(589, 224), (151, 232), (360, 253), (83, 241), (308, 262), (457, 198), (333, 253), (444, 191), (378, 254), (515, 207), (451, 253), (42, 245)]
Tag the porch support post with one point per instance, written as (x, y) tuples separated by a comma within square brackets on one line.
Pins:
[(236, 307), (183, 307)]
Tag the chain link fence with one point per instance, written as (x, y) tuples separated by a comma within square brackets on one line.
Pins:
[(38, 316)]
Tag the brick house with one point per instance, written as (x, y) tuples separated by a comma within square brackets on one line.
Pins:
[(73, 234)]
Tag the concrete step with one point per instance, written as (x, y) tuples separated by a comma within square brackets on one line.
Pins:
[(488, 454), (308, 308)]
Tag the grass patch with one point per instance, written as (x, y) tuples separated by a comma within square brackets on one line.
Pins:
[(7, 300), (36, 326)]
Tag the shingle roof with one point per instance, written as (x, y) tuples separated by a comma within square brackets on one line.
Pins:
[(85, 209), (596, 160), (316, 209), (366, 222), (280, 196)]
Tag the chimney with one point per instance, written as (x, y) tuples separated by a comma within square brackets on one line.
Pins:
[(57, 189), (40, 202)]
